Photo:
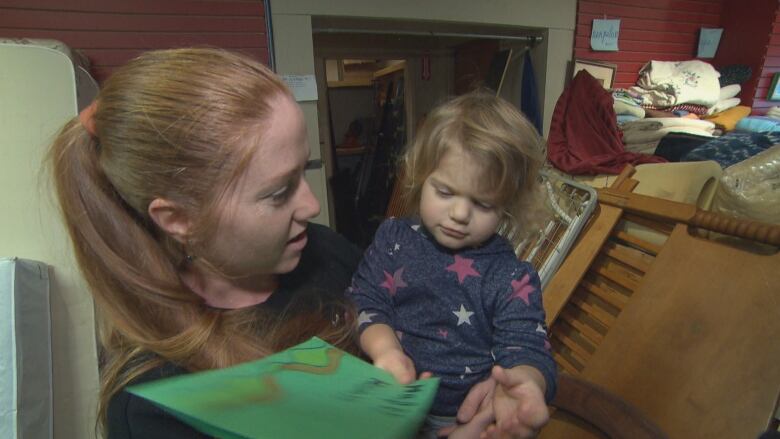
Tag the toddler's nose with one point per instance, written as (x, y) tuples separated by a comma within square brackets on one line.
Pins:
[(460, 211)]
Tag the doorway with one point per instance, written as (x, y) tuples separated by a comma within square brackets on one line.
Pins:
[(378, 79)]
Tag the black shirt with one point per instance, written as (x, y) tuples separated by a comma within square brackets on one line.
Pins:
[(326, 267)]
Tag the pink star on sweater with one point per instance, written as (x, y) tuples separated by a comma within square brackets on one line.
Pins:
[(522, 289), (393, 282), (463, 268)]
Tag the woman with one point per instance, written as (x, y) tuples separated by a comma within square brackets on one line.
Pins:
[(183, 190)]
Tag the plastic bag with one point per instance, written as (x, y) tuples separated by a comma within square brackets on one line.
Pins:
[(751, 188)]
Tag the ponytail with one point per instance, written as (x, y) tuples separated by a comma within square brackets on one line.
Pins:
[(146, 141)]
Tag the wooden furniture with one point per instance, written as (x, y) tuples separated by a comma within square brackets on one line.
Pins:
[(598, 412), (686, 331)]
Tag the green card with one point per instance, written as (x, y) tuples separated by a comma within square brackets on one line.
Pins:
[(310, 390)]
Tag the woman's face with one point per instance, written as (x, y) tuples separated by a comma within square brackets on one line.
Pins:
[(262, 230)]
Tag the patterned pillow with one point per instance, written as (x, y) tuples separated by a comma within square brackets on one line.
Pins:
[(732, 148), (734, 74)]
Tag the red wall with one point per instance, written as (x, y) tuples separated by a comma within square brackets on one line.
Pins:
[(770, 66), (746, 35), (109, 32), (666, 30)]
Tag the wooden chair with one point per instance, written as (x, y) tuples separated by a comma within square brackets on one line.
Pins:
[(685, 330), (597, 413)]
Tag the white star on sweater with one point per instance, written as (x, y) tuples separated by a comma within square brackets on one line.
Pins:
[(463, 315), (540, 328), (468, 371), (365, 317)]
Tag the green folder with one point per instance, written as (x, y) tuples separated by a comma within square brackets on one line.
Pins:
[(312, 390)]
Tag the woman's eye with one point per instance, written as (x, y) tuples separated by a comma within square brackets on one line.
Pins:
[(484, 206), (280, 195)]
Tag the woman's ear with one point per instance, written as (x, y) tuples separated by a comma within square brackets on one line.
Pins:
[(171, 218)]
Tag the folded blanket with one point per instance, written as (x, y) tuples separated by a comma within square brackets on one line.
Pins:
[(584, 138), (649, 130), (644, 147), (656, 123), (668, 83), (691, 108), (723, 105), (637, 136), (623, 118), (758, 124), (624, 108), (774, 113), (729, 91), (727, 120), (627, 96)]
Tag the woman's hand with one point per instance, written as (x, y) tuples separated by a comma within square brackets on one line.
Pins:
[(475, 413), (514, 396), (518, 403), (398, 364)]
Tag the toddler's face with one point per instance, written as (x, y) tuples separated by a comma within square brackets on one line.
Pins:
[(454, 206)]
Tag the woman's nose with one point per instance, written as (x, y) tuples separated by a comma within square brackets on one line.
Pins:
[(308, 205)]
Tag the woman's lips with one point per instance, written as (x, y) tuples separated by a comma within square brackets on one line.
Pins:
[(298, 242)]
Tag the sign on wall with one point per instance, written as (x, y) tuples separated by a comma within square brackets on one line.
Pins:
[(303, 87), (709, 39), (604, 36)]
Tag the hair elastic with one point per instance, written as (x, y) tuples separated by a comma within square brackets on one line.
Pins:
[(87, 118)]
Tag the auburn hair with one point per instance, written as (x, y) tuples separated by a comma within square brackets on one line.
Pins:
[(170, 124)]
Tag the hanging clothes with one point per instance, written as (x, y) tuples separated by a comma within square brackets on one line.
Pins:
[(584, 137), (529, 94)]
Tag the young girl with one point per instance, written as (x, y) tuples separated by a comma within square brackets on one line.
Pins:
[(443, 291)]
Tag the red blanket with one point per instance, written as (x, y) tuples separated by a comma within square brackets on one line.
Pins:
[(584, 137)]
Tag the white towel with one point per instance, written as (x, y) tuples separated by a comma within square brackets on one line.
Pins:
[(729, 91), (774, 113), (649, 136), (655, 123), (643, 148), (723, 105)]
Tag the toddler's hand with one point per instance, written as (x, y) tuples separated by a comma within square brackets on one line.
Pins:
[(398, 364), (518, 404)]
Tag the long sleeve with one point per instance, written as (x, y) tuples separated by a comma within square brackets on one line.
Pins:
[(376, 279), (132, 417), (519, 333)]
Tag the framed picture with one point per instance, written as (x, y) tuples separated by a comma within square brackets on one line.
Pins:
[(604, 72), (774, 90)]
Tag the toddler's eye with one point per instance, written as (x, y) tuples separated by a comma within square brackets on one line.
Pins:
[(443, 192), (485, 206)]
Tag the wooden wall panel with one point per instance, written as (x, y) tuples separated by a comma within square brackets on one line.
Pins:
[(666, 30), (771, 65), (110, 32)]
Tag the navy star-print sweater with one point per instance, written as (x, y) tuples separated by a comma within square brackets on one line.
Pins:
[(456, 313)]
